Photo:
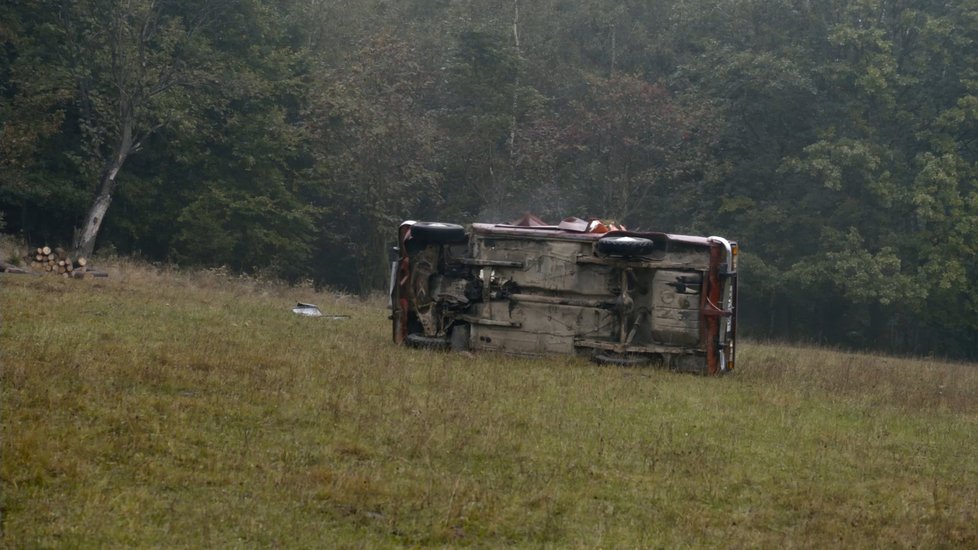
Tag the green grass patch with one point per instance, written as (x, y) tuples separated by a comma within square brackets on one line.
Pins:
[(156, 408)]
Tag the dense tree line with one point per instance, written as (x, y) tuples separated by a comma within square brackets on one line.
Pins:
[(836, 141)]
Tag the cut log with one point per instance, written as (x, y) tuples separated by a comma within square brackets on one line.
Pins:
[(69, 268), (81, 261), (51, 256), (61, 263), (38, 251), (61, 269), (46, 250)]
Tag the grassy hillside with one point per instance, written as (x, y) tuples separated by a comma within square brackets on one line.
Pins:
[(165, 409)]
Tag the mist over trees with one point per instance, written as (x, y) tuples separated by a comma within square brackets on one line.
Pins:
[(837, 142)]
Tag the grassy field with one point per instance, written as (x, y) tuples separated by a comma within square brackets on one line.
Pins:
[(176, 410)]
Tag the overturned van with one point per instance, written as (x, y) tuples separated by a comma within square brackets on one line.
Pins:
[(578, 287)]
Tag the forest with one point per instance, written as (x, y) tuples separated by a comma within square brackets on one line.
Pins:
[(836, 141)]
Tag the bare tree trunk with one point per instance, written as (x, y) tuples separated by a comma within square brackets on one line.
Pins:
[(146, 59), (516, 86), (85, 237), (614, 52)]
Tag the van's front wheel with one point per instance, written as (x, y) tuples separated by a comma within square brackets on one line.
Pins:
[(430, 342), (437, 233)]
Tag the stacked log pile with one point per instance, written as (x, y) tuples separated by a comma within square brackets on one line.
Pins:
[(55, 261)]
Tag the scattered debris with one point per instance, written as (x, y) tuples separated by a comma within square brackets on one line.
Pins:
[(312, 310), (307, 310)]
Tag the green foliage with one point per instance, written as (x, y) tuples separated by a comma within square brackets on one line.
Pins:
[(836, 141), (245, 232), (859, 274), (484, 104), (627, 145), (374, 141)]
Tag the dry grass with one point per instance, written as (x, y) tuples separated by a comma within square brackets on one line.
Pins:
[(916, 384), (159, 408)]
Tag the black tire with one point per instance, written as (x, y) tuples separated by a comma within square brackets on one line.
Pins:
[(429, 342), (622, 245), (437, 233), (621, 360)]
